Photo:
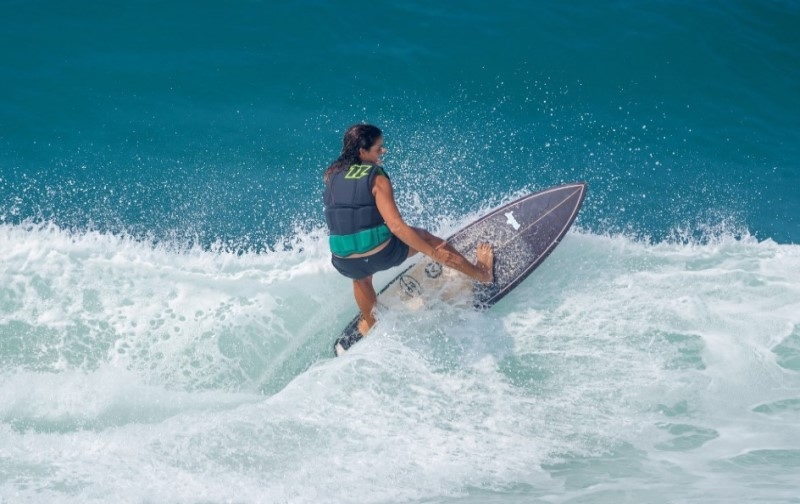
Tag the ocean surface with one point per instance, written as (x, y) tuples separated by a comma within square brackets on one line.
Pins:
[(167, 303)]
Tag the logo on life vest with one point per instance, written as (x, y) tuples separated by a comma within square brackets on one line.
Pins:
[(357, 171), (512, 221)]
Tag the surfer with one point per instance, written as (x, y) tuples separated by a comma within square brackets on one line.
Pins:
[(367, 232)]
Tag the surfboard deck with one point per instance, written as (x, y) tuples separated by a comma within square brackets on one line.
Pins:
[(522, 233)]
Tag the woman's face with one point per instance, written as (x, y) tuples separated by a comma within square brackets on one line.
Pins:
[(373, 155)]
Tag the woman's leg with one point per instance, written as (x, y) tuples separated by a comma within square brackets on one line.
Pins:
[(366, 298)]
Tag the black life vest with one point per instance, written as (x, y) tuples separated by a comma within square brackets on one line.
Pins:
[(353, 219)]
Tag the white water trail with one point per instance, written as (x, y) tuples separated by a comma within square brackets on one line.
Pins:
[(137, 373)]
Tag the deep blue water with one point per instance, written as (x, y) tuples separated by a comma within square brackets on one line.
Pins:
[(167, 305), (215, 119)]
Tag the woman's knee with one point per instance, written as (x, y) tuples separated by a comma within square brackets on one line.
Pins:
[(366, 281)]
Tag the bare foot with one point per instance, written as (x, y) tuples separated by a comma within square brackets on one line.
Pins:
[(485, 262), (363, 327)]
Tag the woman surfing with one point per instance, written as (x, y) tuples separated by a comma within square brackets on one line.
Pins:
[(367, 232)]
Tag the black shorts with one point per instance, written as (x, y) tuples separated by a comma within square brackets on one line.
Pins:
[(393, 254)]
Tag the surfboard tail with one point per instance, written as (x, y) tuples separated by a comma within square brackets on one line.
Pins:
[(343, 344)]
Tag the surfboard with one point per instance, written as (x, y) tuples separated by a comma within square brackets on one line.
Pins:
[(522, 233)]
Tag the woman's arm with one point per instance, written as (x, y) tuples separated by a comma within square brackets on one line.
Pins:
[(384, 199)]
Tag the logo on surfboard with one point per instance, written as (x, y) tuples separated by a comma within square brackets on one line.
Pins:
[(433, 270), (410, 286), (511, 220)]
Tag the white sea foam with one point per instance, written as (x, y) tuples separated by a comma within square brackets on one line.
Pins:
[(133, 372)]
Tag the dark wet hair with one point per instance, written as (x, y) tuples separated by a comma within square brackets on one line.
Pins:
[(358, 136)]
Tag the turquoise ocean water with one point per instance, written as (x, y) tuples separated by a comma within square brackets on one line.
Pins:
[(167, 306)]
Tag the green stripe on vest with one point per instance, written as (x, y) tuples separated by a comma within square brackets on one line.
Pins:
[(358, 243)]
